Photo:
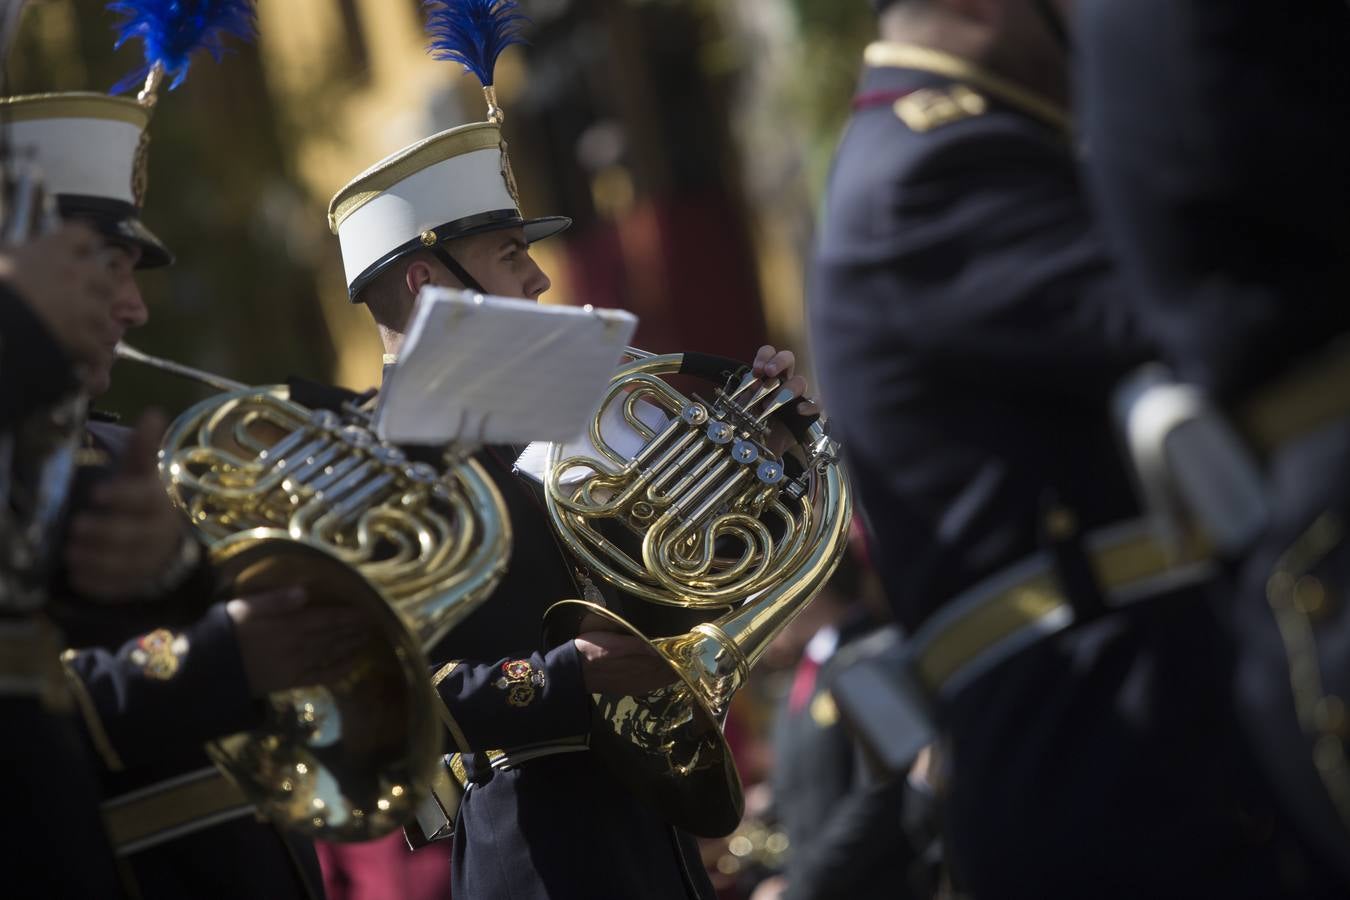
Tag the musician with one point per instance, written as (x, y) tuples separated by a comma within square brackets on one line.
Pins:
[(1219, 166), (53, 329), (969, 326), (53, 318), (162, 665), (444, 211)]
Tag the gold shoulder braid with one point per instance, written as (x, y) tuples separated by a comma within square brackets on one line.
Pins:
[(509, 176), (883, 54), (140, 173), (931, 108)]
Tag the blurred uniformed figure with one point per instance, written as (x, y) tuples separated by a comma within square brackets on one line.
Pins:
[(53, 327), (1220, 131), (969, 327), (842, 818)]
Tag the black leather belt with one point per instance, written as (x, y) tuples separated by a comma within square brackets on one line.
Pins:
[(1024, 603), (172, 808), (1314, 394)]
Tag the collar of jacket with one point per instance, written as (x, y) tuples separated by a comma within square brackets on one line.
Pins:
[(886, 54)]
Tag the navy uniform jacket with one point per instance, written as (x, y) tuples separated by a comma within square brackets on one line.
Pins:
[(560, 826), (1220, 167), (46, 775), (150, 702), (34, 369), (968, 327)]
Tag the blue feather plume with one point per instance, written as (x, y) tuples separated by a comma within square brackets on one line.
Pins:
[(172, 30), (474, 33)]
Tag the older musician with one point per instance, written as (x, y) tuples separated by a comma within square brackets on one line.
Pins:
[(53, 327), (53, 318), (161, 668)]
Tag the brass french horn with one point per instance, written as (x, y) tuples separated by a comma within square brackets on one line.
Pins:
[(705, 515), (285, 495)]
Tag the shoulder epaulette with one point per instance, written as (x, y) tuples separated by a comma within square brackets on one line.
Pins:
[(930, 108)]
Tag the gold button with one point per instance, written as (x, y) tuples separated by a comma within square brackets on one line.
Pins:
[(1279, 589), (1330, 715), (428, 239), (1061, 523), (1329, 754), (1310, 596)]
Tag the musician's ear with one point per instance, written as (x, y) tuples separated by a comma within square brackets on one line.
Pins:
[(418, 274)]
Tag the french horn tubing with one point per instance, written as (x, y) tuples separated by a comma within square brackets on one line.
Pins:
[(287, 495), (706, 515)]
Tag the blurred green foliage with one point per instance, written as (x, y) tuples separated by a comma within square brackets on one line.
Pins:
[(833, 35)]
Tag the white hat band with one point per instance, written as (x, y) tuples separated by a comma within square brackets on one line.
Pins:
[(457, 188)]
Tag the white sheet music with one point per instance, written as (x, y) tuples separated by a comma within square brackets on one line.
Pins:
[(493, 370)]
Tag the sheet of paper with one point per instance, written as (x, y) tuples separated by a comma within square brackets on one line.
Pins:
[(620, 436), (493, 370)]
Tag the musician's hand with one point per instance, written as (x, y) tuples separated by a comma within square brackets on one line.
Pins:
[(771, 888), (620, 664), (773, 363), (64, 280), (121, 545), (285, 642)]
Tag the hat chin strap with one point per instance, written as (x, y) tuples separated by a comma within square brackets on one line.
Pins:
[(469, 282)]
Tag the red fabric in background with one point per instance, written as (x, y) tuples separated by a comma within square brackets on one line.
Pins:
[(683, 265), (385, 869), (803, 684)]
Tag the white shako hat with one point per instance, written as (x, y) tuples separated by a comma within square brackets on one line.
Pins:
[(91, 151), (452, 184)]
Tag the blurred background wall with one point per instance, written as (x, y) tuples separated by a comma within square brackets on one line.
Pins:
[(688, 140)]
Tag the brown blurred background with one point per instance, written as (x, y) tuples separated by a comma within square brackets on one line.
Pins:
[(687, 139)]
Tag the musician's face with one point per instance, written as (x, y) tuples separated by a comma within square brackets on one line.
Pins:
[(501, 262), (127, 308)]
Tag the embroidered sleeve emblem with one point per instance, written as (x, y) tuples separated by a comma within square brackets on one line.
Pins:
[(160, 654), (520, 680)]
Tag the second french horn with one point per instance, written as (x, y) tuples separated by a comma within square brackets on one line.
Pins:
[(704, 515)]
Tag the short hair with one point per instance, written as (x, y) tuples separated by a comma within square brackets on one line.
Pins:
[(386, 295), (383, 295)]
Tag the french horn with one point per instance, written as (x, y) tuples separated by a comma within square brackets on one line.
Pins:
[(705, 515), (283, 495)]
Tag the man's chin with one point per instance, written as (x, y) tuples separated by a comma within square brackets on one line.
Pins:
[(96, 384)]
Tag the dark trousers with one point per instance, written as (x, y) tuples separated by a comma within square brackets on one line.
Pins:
[(50, 831), (1107, 763)]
